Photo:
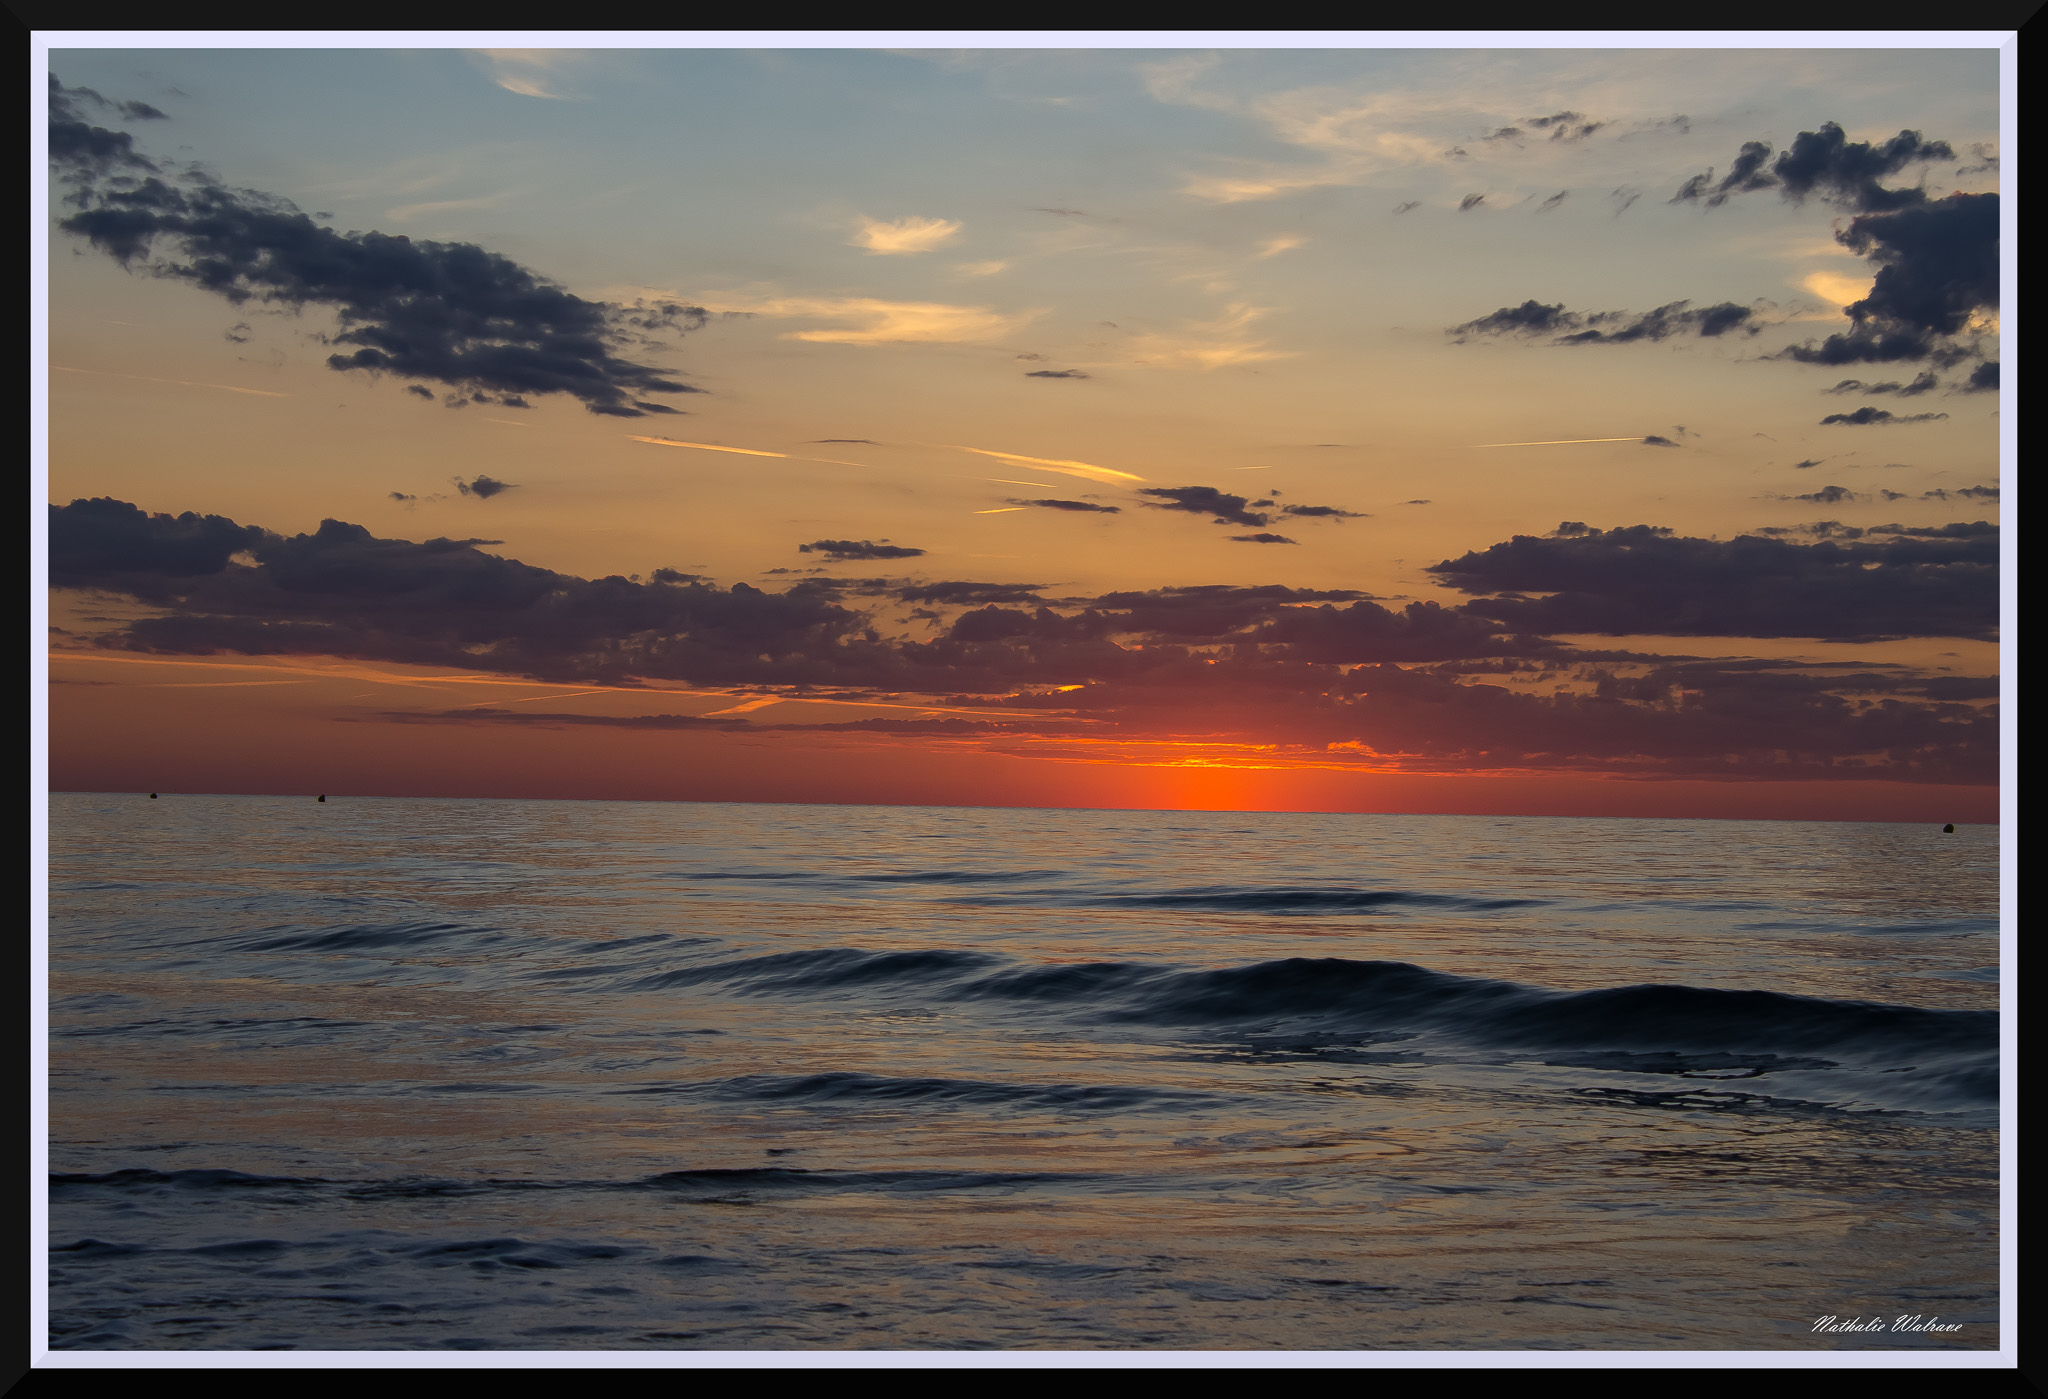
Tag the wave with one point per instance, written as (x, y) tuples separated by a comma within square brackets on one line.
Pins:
[(1643, 1028), (861, 1088)]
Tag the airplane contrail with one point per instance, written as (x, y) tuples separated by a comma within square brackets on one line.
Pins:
[(1105, 474), (743, 451), (1557, 442)]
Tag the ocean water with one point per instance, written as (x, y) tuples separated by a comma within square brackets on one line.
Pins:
[(494, 1075)]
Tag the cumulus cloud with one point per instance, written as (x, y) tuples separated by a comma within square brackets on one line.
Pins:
[(483, 487), (449, 313), (839, 550), (1983, 379)]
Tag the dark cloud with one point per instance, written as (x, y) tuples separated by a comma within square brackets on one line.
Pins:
[(1966, 493), (1826, 495), (1205, 500), (1653, 440), (82, 150), (1624, 197), (962, 593), (1983, 379), (1922, 383), (1566, 126), (1809, 462), (1826, 164), (1644, 580), (1327, 676), (1471, 201), (1938, 266), (1551, 203), (1324, 512), (839, 550), (448, 313), (107, 542), (420, 390), (1405, 205), (1261, 538), (1611, 327), (1879, 417), (402, 498), (483, 487), (1079, 505), (1505, 133), (1418, 502), (1057, 374)]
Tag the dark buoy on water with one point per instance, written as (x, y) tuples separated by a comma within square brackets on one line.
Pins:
[(152, 796), (323, 796), (1949, 829)]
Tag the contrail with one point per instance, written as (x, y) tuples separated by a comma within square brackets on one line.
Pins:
[(743, 451), (1105, 474), (1556, 442)]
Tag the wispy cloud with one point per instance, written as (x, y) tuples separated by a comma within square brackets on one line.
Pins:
[(868, 321), (1272, 247), (406, 213), (1207, 344), (528, 72), (187, 383), (1089, 470), (911, 234)]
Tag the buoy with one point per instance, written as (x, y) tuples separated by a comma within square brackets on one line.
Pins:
[(323, 796), (1949, 829), (152, 796)]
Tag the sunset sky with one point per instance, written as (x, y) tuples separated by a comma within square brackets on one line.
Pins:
[(1603, 432)]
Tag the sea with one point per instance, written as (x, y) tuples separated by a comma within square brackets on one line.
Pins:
[(372, 1075)]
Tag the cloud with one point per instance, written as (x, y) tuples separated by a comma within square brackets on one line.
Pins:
[(528, 72), (1205, 500), (1653, 440), (1983, 379), (1088, 470), (840, 550), (1551, 203), (1922, 383), (1211, 344), (1878, 417), (85, 151), (1644, 580), (1073, 505), (483, 487), (866, 441), (449, 313), (910, 234), (1322, 512), (1056, 374), (1566, 126), (1827, 495), (1279, 243), (1823, 163), (1405, 205), (1937, 269), (965, 592), (865, 320), (1326, 678), (1470, 202), (1809, 462), (1611, 327), (1261, 539)]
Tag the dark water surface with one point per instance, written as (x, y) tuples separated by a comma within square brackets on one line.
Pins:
[(405, 1074)]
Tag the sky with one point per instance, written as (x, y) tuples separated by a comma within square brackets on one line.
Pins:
[(1537, 431)]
